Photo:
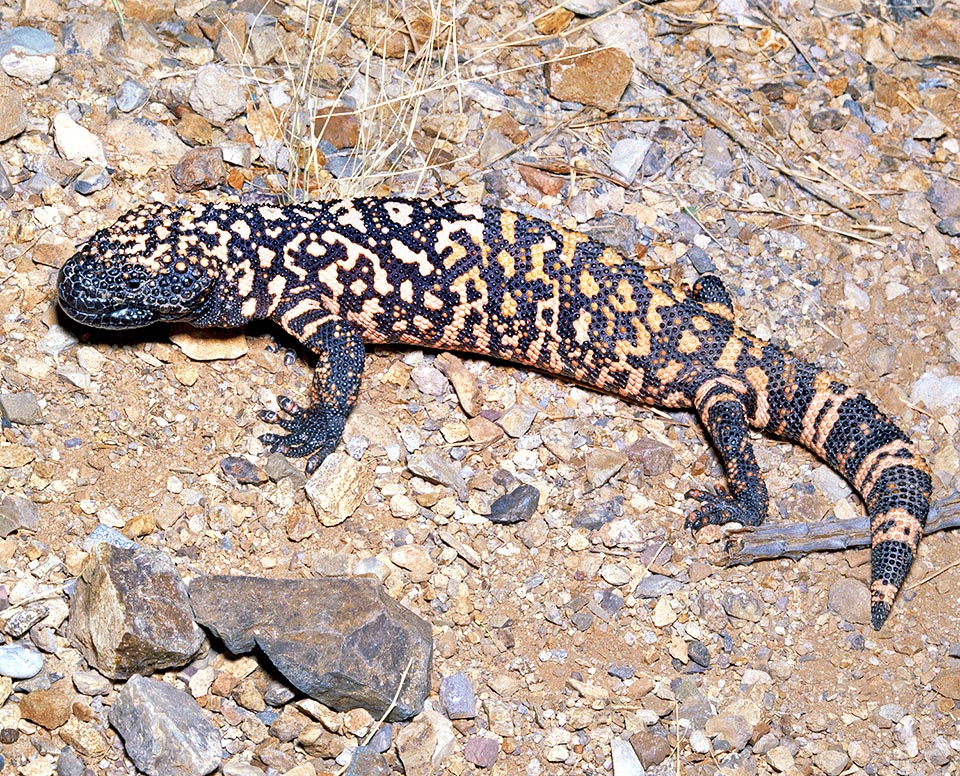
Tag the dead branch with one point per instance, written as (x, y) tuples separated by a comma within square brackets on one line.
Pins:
[(794, 540)]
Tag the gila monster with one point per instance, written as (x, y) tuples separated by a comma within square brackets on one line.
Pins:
[(457, 276)]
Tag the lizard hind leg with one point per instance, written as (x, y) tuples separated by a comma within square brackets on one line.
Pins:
[(316, 430), (719, 403), (712, 294)]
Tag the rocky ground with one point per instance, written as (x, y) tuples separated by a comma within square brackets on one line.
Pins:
[(808, 153)]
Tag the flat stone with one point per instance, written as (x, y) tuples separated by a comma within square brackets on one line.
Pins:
[(210, 344), (596, 78), (850, 599), (925, 38), (947, 683), (19, 662), (656, 585), (435, 469), (18, 513), (602, 464), (56, 341), (516, 421), (164, 731), (626, 762), (716, 152), (130, 613), (464, 382), (342, 641), (21, 408), (832, 762), (944, 198)]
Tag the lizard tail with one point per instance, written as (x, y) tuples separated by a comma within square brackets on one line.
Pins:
[(846, 430)]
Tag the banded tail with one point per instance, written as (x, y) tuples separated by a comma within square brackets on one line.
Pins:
[(846, 430)]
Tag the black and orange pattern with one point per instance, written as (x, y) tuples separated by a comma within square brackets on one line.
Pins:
[(484, 280)]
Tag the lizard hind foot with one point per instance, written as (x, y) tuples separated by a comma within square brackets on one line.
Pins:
[(720, 508), (313, 432)]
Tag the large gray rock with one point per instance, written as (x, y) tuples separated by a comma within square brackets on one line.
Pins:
[(341, 640), (164, 730), (130, 613)]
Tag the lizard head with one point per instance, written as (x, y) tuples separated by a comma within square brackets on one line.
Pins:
[(149, 267)]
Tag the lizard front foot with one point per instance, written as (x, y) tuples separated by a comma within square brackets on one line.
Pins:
[(313, 431)]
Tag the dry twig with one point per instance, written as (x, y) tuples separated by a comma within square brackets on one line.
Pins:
[(798, 539)]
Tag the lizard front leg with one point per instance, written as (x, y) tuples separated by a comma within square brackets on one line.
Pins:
[(314, 431)]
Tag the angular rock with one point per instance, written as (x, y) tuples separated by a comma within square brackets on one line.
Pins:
[(517, 420), (338, 486), (651, 749), (76, 143), (200, 168), (131, 96), (367, 761), (18, 513), (342, 641), (130, 613), (27, 54), (602, 464), (48, 708), (516, 506), (426, 744), (217, 94), (464, 382), (457, 697), (627, 157), (142, 145), (626, 762), (164, 730), (482, 751), (13, 113), (93, 178), (592, 78), (435, 469)]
